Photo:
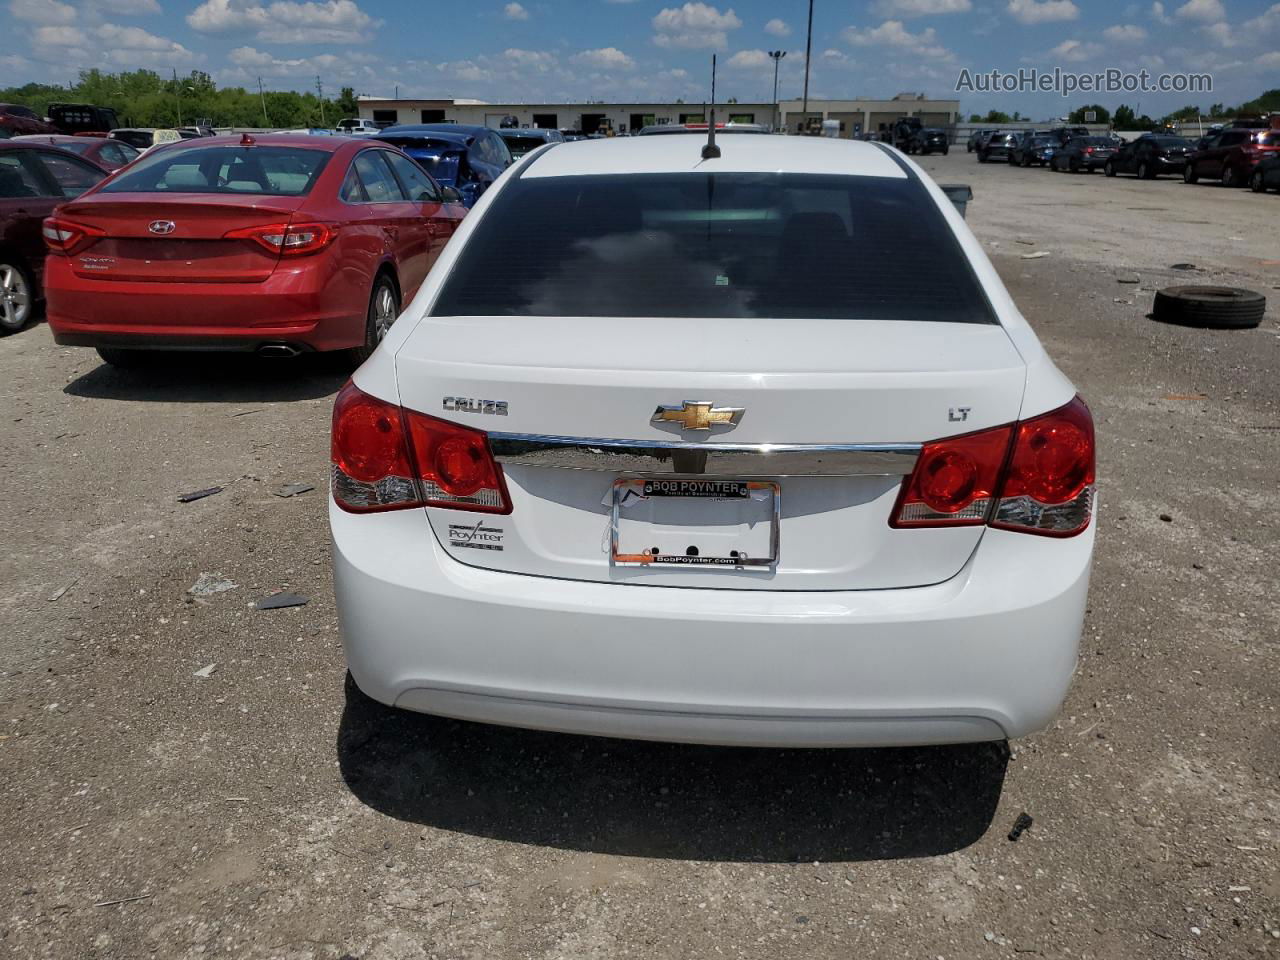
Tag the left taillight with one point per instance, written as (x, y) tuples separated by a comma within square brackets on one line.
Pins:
[(388, 458), (1036, 476), (287, 239), (63, 236)]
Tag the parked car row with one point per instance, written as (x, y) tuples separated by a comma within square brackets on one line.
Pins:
[(1235, 156)]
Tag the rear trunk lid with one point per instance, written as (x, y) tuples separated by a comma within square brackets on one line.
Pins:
[(194, 250), (889, 383)]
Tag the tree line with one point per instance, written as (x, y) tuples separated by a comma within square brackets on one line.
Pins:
[(1125, 118), (144, 98)]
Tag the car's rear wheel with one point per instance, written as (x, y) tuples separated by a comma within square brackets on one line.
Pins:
[(384, 307), (128, 359), (1144, 171), (1230, 178), (1256, 182), (944, 150), (1189, 175), (1109, 169), (17, 295)]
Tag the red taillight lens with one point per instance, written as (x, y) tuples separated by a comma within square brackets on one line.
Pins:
[(287, 239), (388, 458), (954, 481), (1049, 484), (63, 236), (1035, 477)]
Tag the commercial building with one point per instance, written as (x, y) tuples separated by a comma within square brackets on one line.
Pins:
[(855, 116)]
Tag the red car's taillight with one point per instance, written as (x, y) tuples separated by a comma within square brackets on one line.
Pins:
[(388, 458), (287, 239), (1036, 476), (63, 236)]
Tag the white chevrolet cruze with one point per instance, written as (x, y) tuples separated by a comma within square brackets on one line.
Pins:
[(753, 449)]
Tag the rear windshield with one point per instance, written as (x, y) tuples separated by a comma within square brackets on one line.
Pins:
[(269, 171), (519, 146), (714, 245)]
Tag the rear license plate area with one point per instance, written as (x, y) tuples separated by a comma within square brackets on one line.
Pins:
[(694, 522)]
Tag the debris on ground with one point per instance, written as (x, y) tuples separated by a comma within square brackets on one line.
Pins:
[(61, 591), (1183, 266), (199, 494), (293, 489), (1166, 518), (1021, 825), (277, 601), (1128, 278), (204, 673), (1039, 254), (1029, 243), (208, 584)]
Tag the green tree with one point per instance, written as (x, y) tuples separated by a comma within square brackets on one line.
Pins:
[(346, 103), (1124, 118), (996, 116), (975, 118), (1269, 102)]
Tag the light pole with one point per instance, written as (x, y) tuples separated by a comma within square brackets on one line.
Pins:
[(808, 51), (776, 56)]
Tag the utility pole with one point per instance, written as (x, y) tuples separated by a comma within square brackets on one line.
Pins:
[(320, 95), (177, 92), (263, 97), (808, 52), (776, 56)]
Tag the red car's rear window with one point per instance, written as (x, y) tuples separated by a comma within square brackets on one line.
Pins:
[(230, 169)]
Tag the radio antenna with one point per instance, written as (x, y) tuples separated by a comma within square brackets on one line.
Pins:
[(709, 150)]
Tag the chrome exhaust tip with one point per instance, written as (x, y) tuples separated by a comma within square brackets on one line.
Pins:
[(278, 350)]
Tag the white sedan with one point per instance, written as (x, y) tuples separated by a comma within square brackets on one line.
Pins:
[(752, 450)]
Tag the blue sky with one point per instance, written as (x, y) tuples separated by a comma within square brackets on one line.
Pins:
[(639, 49)]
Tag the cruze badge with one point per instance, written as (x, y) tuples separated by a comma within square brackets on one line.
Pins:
[(162, 227), (468, 405), (698, 415)]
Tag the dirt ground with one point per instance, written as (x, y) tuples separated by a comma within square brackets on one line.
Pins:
[(263, 810)]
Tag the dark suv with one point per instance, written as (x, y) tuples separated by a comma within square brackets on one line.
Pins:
[(929, 140), (1230, 155), (904, 128), (998, 145)]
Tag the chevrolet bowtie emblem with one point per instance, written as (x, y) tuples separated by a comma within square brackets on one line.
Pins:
[(698, 416)]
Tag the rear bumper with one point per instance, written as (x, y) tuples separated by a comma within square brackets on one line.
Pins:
[(288, 307), (986, 655)]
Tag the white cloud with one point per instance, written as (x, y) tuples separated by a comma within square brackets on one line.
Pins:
[(42, 11), (777, 28), (892, 33), (1125, 33), (906, 9), (514, 11), (539, 60), (1268, 21), (1158, 14), (694, 26), (1205, 11), (129, 45), (1073, 51), (286, 21), (1269, 60), (748, 60), (1043, 11), (1220, 33), (605, 58), (129, 8), (59, 37)]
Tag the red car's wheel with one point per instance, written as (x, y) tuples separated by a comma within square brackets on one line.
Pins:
[(384, 307)]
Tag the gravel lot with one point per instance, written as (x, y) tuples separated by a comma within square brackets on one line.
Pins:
[(265, 811)]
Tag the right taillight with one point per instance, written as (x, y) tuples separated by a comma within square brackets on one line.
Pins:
[(1036, 476), (388, 458)]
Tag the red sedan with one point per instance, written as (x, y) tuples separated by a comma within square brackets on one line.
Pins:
[(108, 154), (275, 244)]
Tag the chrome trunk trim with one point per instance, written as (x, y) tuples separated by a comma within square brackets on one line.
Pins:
[(711, 459)]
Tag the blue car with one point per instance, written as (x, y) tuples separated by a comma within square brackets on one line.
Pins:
[(521, 141), (464, 157)]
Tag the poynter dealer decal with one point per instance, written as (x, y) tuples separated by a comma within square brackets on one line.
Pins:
[(475, 537)]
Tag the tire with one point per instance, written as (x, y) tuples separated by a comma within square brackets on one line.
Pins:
[(1109, 169), (1256, 183), (126, 359), (968, 147), (945, 150), (17, 295), (982, 157), (1215, 308), (384, 307), (1230, 178), (1189, 174), (1144, 171)]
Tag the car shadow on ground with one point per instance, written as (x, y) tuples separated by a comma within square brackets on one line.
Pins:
[(215, 378), (672, 801)]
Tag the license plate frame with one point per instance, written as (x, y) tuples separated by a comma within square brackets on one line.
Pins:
[(710, 490)]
